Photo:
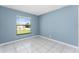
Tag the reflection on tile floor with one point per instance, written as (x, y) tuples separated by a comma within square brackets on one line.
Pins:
[(36, 45)]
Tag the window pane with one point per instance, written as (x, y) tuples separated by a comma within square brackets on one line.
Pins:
[(23, 25)]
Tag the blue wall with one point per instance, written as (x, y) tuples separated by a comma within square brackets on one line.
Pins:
[(61, 25), (8, 24)]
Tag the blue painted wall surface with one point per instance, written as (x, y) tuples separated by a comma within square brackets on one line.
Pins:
[(8, 24), (61, 25)]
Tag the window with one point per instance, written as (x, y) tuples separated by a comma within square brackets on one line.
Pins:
[(23, 25)]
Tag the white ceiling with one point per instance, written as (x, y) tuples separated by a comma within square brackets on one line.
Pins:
[(35, 9)]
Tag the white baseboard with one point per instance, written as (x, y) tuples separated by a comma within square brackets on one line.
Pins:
[(73, 46), (42, 37), (17, 40)]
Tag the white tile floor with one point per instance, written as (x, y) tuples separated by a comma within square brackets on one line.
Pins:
[(36, 45)]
